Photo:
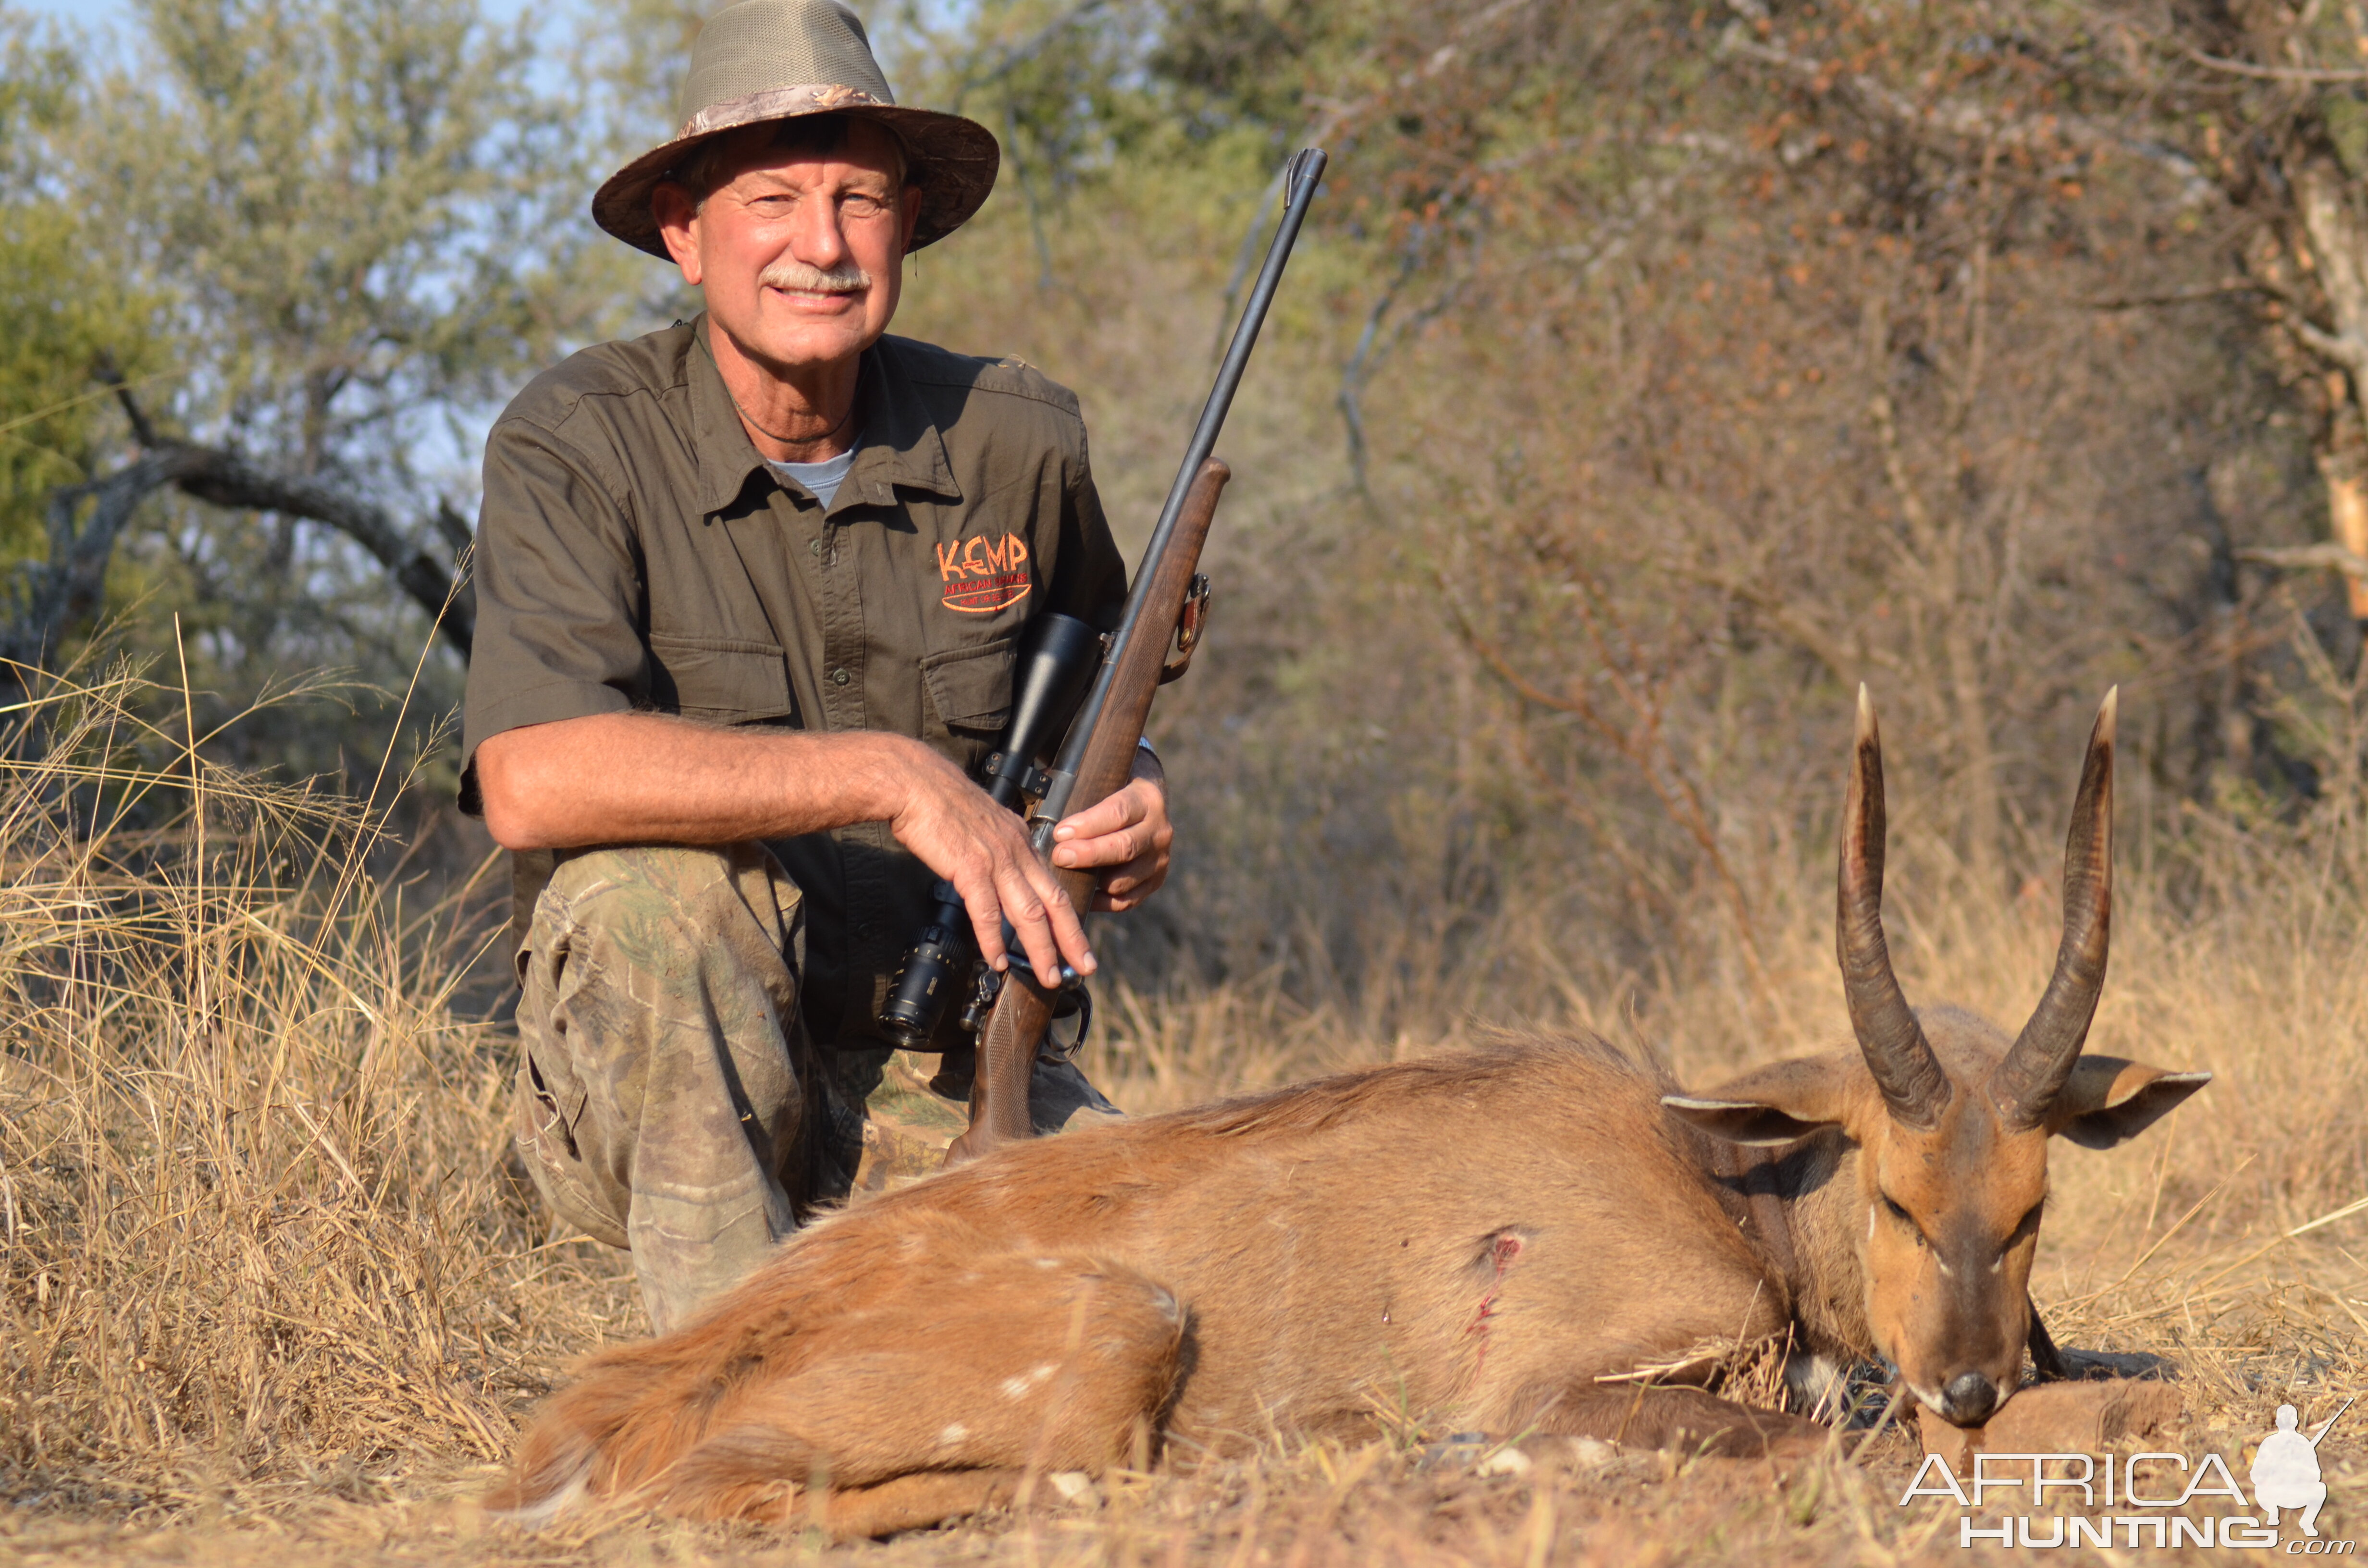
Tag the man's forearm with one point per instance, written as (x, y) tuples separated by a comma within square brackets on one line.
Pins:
[(647, 778)]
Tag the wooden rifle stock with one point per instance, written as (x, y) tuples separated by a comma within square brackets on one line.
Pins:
[(1014, 1031)]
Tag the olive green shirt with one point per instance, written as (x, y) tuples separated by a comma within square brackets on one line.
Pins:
[(634, 552)]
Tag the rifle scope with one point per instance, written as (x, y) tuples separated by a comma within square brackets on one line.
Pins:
[(1058, 655)]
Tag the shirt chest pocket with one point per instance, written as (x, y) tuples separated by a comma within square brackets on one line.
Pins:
[(721, 679), (970, 688)]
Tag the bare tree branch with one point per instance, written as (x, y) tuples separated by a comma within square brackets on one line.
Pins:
[(2273, 72), (2196, 295), (2310, 557), (1961, 121), (225, 479), (46, 598), (1026, 48), (46, 601)]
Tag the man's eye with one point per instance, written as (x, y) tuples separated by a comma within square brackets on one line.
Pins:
[(863, 206)]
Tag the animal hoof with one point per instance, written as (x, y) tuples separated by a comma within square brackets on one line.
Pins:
[(1505, 1461), (1074, 1486)]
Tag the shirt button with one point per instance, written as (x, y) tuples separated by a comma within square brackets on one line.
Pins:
[(815, 548), (839, 676)]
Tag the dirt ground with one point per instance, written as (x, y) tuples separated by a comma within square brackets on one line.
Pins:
[(1312, 1506)]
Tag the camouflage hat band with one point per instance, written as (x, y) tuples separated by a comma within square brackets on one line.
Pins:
[(763, 61)]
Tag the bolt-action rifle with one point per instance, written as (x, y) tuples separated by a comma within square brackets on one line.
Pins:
[(1154, 644)]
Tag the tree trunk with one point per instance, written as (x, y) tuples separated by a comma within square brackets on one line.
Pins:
[(2335, 245)]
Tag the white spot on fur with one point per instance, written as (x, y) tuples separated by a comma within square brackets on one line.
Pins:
[(1869, 1223), (1018, 1387), (534, 1515), (1942, 1264), (1048, 1263), (1998, 1263), (954, 1433)]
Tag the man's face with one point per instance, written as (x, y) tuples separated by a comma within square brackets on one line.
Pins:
[(799, 254)]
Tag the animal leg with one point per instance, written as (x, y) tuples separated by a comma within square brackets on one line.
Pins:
[(1011, 1363), (854, 1513), (915, 1502), (1551, 1321), (1648, 1417)]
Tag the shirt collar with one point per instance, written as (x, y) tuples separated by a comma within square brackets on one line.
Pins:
[(900, 441)]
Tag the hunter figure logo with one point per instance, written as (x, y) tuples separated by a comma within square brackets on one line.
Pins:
[(2285, 1470), (983, 575), (2150, 1499)]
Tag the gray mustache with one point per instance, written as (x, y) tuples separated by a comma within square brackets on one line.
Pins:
[(801, 277)]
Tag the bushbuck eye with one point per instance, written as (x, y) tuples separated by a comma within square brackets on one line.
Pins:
[(2027, 1227), (1905, 1217)]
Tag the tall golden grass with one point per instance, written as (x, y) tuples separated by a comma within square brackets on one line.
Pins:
[(254, 1219), (262, 1249)]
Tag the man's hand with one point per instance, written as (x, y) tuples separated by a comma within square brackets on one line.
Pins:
[(1130, 831), (958, 831)]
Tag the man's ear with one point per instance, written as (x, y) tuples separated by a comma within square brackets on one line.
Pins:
[(2111, 1100), (908, 218), (675, 212), (1777, 1104)]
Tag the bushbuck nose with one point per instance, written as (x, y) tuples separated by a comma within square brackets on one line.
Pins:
[(1970, 1398)]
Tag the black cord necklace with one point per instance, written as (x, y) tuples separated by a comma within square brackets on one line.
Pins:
[(790, 440)]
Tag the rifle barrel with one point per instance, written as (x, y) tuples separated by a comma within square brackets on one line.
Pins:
[(1300, 176)]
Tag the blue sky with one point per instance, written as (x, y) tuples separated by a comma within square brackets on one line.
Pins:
[(86, 11), (99, 14)]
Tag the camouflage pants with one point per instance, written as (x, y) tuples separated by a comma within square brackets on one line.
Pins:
[(669, 1101)]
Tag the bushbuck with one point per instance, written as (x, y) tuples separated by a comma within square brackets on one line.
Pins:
[(1541, 1237)]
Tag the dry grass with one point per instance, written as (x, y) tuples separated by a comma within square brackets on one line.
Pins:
[(268, 1288), (257, 1226)]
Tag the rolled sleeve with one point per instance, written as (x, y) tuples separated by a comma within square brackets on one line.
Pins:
[(560, 590)]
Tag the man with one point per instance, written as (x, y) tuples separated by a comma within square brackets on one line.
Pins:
[(748, 594), (2285, 1470)]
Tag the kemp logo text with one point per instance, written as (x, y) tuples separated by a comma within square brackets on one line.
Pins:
[(2285, 1475), (982, 576)]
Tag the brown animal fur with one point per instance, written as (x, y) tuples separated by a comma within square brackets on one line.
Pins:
[(1485, 1237), (865, 1351), (1330, 1269)]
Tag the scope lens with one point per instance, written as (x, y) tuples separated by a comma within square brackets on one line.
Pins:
[(918, 996)]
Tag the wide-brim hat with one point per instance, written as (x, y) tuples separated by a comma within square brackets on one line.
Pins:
[(771, 60)]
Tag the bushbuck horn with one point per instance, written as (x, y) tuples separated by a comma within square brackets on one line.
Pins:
[(1910, 1076), (2025, 1084)]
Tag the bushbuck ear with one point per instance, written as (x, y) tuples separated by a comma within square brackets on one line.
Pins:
[(2110, 1101), (1773, 1104)]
